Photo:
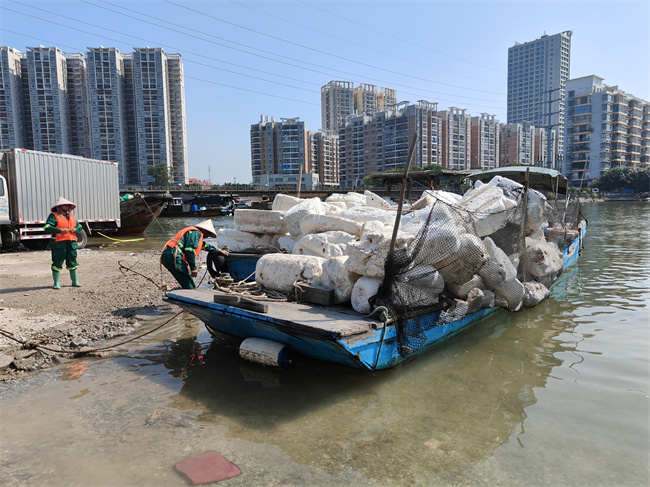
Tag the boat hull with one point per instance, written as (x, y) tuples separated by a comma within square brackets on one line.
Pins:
[(373, 348), (139, 212)]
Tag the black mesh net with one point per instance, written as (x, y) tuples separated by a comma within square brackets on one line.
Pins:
[(463, 260)]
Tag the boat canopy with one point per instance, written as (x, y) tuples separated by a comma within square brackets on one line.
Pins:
[(539, 178)]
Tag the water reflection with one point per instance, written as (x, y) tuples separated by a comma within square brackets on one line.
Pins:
[(442, 412)]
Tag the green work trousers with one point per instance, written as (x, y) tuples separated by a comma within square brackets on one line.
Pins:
[(177, 266), (64, 251)]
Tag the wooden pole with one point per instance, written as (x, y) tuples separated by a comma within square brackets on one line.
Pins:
[(299, 179), (400, 204)]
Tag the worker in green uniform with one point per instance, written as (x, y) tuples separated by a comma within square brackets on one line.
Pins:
[(63, 226), (181, 253)]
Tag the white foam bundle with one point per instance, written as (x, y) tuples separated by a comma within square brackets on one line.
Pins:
[(350, 199), (365, 214), (260, 221), (284, 202), (364, 289), (368, 255), (375, 227), (488, 208), (478, 299), (376, 201), (440, 215), (326, 244), (443, 196), (512, 291), (498, 269), (327, 223), (287, 242), (534, 293), (337, 276), (535, 206), (296, 214), (461, 266), (426, 277), (334, 208), (462, 290), (543, 260), (280, 271), (238, 241)]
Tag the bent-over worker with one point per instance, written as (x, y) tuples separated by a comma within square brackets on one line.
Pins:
[(63, 226), (181, 253)]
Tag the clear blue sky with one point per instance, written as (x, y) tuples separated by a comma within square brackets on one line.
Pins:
[(244, 59)]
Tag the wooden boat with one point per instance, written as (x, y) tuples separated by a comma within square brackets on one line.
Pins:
[(186, 205), (139, 211), (337, 334)]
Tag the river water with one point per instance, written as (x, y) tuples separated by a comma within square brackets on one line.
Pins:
[(555, 395)]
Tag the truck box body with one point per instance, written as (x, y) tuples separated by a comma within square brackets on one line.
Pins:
[(37, 179)]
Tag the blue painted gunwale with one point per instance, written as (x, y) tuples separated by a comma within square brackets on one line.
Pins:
[(359, 351)]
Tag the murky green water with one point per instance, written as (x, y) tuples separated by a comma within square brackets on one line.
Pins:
[(557, 395)]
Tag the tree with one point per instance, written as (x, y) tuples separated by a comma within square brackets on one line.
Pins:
[(160, 174), (620, 178)]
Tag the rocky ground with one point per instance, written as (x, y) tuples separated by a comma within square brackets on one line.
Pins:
[(119, 290)]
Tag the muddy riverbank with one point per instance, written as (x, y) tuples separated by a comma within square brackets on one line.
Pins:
[(120, 290)]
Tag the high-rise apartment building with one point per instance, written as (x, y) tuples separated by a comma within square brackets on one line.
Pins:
[(108, 120), (606, 127), (12, 127), (545, 147), (324, 148), (79, 104), (485, 142), (517, 144), (340, 100), (456, 135), (537, 75), (127, 108), (280, 154), (49, 108), (381, 142)]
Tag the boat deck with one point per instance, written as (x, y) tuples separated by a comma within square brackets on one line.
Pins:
[(334, 320)]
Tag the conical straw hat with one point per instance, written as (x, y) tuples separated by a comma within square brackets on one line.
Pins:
[(62, 201), (207, 227)]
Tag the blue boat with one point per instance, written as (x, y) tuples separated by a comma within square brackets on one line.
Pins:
[(334, 334)]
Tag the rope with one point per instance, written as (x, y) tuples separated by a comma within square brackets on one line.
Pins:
[(384, 316), (34, 344), (254, 291)]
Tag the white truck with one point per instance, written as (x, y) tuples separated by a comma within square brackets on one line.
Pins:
[(32, 181)]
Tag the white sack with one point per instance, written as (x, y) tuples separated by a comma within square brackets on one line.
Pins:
[(326, 245), (488, 208), (375, 201), (364, 289), (327, 223), (284, 202), (295, 215), (543, 259), (260, 221), (460, 267), (238, 241), (462, 290), (534, 293), (280, 271), (287, 243), (512, 291), (336, 276), (368, 255), (498, 269), (350, 199)]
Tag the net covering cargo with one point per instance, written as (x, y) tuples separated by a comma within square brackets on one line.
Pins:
[(467, 255)]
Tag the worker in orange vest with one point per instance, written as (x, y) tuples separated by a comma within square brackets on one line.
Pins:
[(63, 226), (181, 253)]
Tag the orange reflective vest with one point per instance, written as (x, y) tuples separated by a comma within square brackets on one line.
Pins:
[(173, 243), (63, 222)]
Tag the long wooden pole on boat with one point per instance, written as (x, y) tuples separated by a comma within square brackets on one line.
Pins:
[(400, 204)]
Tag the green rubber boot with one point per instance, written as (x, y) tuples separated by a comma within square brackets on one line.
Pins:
[(55, 276), (73, 276)]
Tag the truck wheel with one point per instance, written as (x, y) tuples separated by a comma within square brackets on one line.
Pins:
[(38, 244), (82, 239)]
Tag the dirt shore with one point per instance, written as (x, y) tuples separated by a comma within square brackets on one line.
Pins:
[(119, 290)]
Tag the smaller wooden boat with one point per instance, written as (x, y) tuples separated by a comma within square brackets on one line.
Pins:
[(138, 211)]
